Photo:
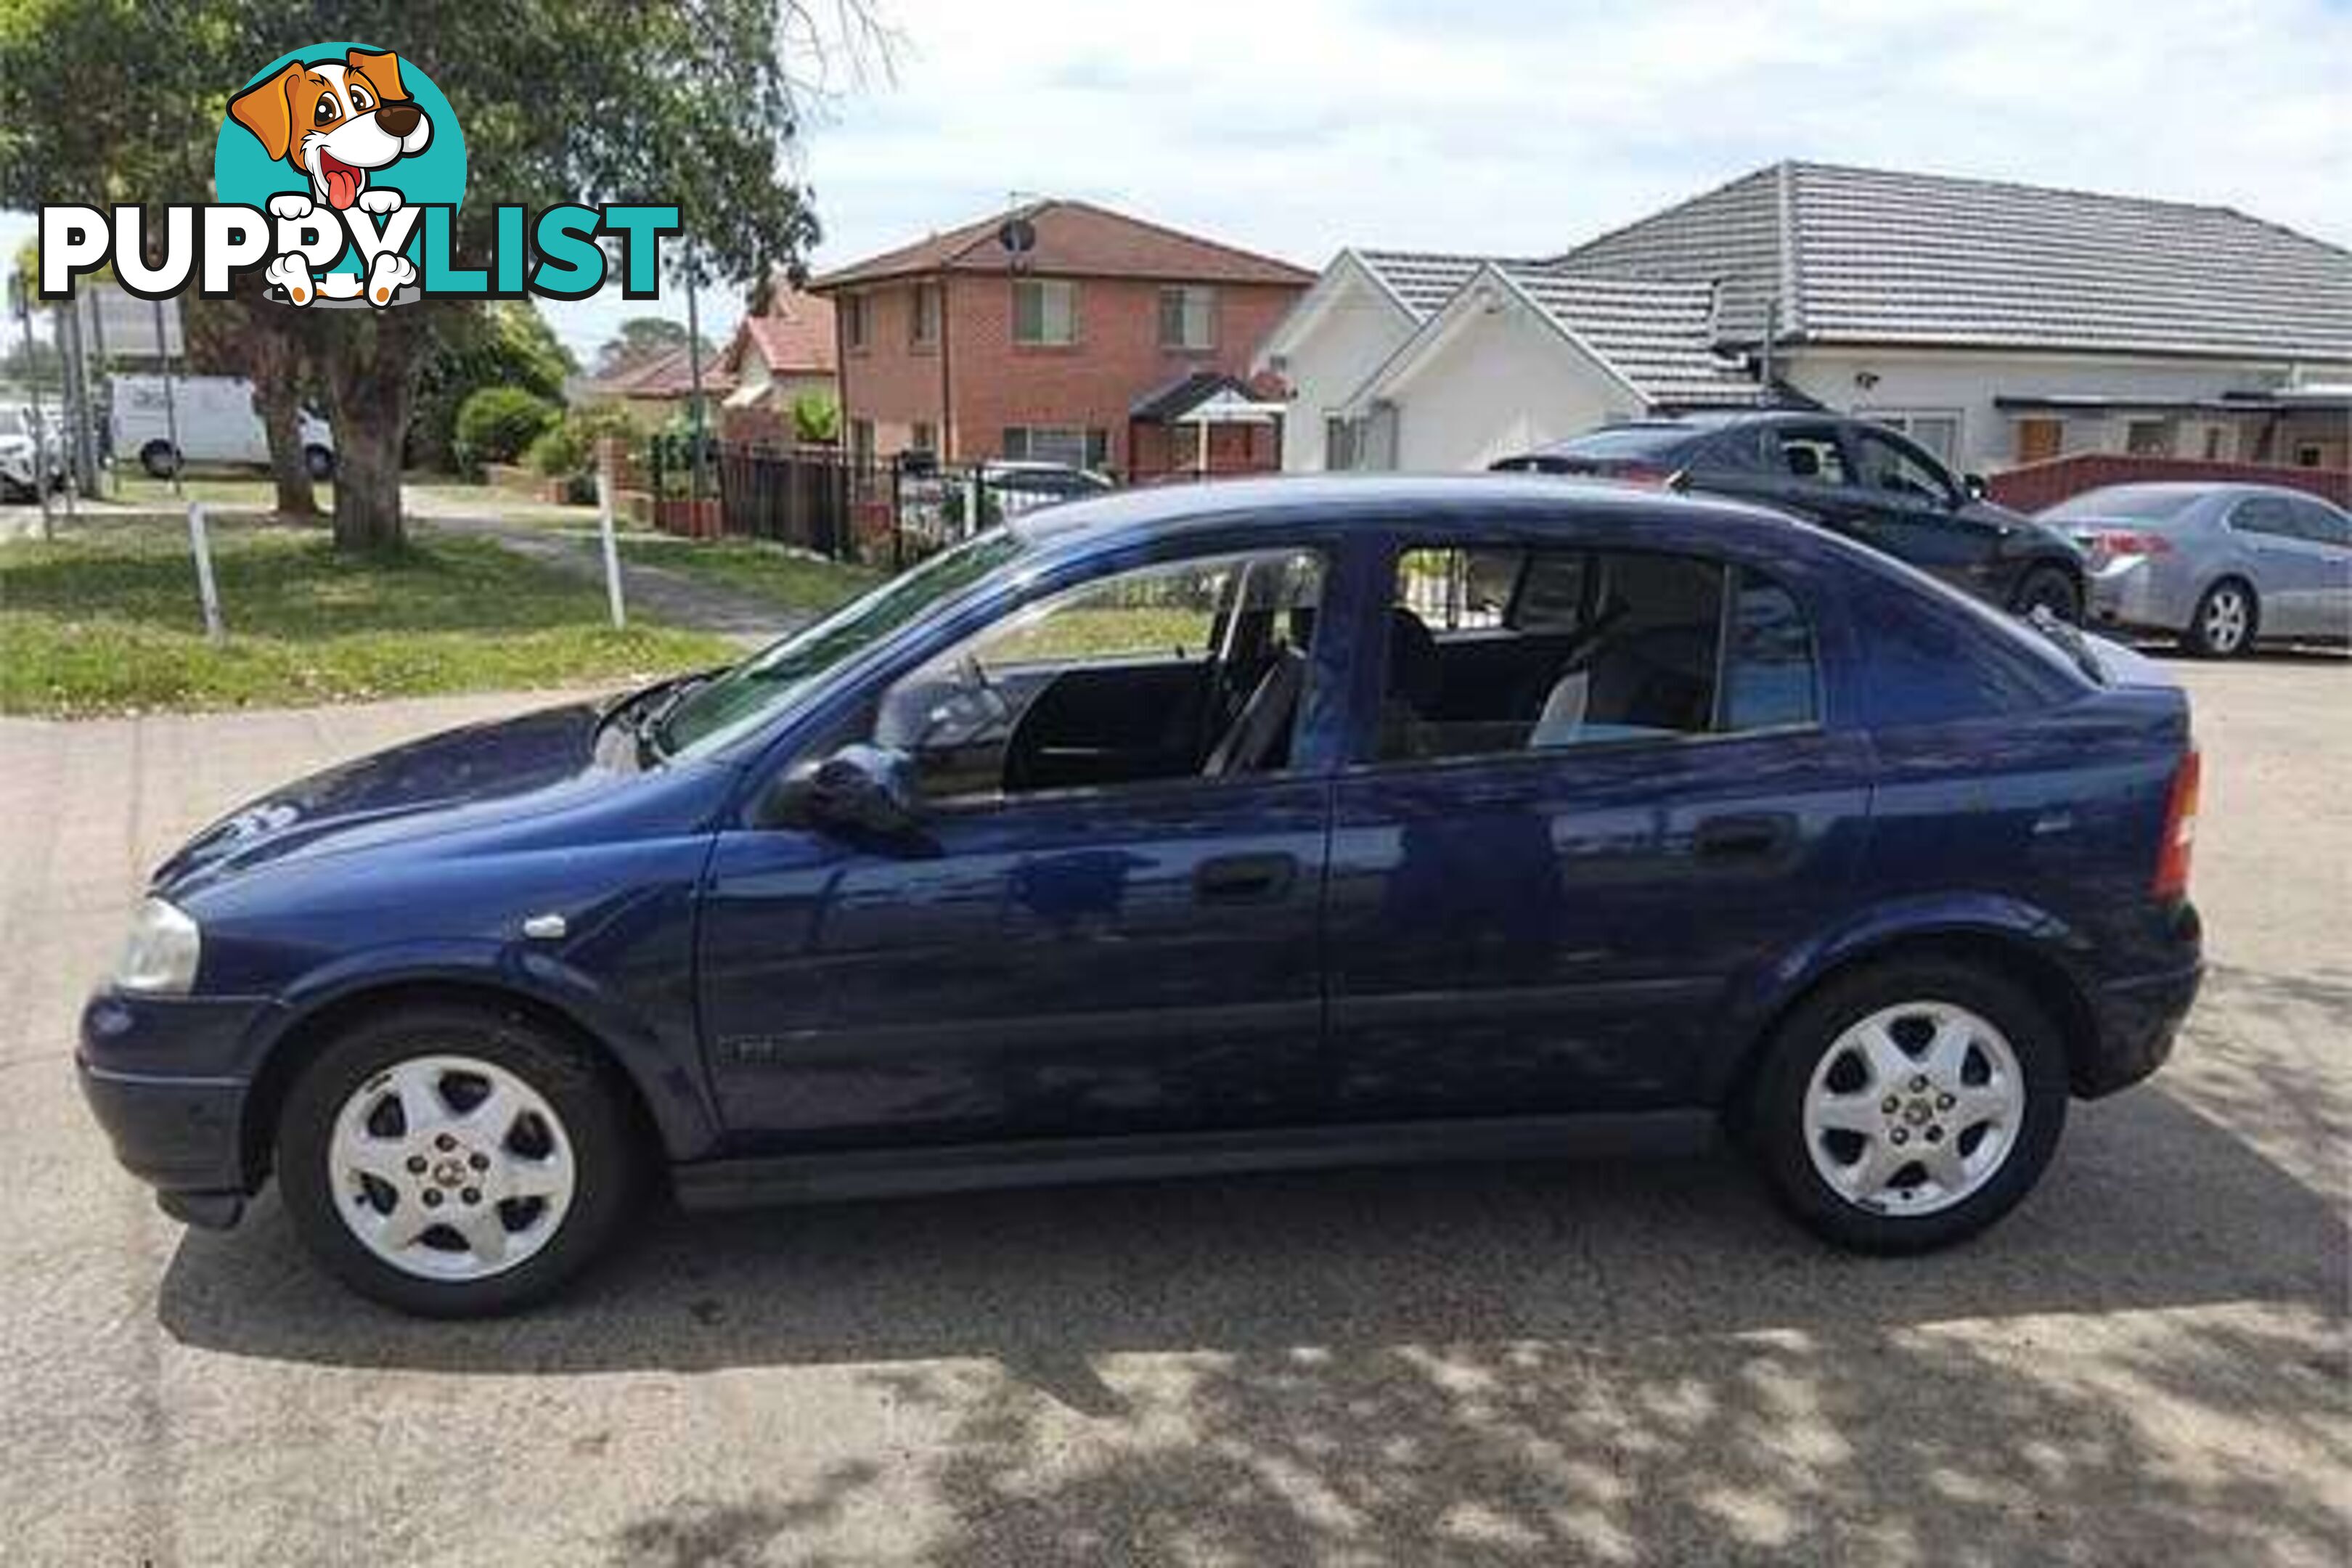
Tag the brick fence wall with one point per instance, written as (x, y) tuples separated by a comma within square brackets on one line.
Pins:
[(2037, 485)]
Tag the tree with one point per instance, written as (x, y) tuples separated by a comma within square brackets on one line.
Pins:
[(639, 339), (507, 344), (594, 103)]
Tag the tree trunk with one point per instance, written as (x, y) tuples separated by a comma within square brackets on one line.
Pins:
[(270, 356), (367, 357)]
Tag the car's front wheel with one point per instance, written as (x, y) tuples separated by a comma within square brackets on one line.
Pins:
[(455, 1162), (2052, 589), (1909, 1105)]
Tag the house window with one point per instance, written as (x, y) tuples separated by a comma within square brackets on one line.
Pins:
[(1065, 444), (923, 321), (1188, 317), (1339, 444), (853, 321), (1045, 311), (925, 437), (2308, 455), (2149, 437)]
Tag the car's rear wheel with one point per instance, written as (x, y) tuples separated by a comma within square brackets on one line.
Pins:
[(158, 459), (1909, 1105), (2052, 589), (2227, 617), (319, 463), (455, 1162)]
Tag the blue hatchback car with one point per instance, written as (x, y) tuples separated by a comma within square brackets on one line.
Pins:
[(1262, 824)]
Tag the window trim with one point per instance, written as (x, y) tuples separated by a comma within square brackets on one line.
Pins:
[(1211, 315), (1015, 337)]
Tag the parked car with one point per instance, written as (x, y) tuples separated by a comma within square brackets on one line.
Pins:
[(1023, 485), (212, 419), (2221, 567), (1157, 834), (23, 445), (1862, 479)]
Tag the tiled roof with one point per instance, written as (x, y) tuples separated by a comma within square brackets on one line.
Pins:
[(795, 336), (1874, 256), (669, 374), (1074, 239), (1659, 336), (1422, 281)]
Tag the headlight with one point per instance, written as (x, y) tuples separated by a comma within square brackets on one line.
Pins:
[(159, 959)]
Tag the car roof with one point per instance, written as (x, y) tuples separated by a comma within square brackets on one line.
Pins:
[(1435, 505)]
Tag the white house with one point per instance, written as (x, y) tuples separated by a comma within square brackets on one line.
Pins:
[(2000, 324)]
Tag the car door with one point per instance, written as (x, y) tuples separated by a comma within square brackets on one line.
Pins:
[(2291, 574), (2329, 533), (1559, 919), (1057, 958), (1915, 511)]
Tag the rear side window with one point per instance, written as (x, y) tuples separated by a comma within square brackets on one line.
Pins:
[(1771, 682), (1638, 442), (2263, 514), (1595, 646), (1810, 454)]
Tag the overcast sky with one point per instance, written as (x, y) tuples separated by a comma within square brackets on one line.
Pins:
[(1522, 126)]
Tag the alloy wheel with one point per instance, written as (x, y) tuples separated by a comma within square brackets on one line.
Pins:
[(1914, 1109), (450, 1168), (2225, 619)]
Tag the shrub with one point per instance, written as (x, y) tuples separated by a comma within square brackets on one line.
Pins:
[(816, 419), (495, 424)]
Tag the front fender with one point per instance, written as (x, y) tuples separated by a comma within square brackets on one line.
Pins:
[(664, 1064), (1756, 999)]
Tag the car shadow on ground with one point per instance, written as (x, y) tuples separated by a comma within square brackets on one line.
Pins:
[(1510, 1364)]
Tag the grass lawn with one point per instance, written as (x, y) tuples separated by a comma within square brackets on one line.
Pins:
[(107, 621), (790, 579)]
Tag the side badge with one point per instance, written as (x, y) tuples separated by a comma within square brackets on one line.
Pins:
[(544, 928)]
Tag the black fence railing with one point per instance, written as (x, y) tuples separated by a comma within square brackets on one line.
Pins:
[(813, 498)]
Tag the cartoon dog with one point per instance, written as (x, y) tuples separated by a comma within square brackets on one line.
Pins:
[(335, 121)]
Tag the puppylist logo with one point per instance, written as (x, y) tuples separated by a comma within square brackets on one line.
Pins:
[(339, 169)]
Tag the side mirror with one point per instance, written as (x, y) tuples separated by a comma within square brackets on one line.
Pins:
[(859, 789), (1974, 487)]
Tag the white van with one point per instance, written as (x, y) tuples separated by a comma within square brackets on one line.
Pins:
[(216, 422)]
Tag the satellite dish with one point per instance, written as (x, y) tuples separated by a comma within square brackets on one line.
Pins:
[(1018, 236)]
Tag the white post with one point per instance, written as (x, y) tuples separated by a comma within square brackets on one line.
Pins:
[(971, 520), (606, 483), (201, 544)]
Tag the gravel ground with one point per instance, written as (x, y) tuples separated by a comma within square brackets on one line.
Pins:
[(1530, 1365)]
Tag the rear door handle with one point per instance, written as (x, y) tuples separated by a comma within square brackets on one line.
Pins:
[(1243, 878), (1745, 837)]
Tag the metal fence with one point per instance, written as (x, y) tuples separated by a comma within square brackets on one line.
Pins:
[(815, 498)]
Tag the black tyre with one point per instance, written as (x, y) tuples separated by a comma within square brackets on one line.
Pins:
[(1908, 1105), (2228, 619), (318, 462), (2050, 588), (455, 1162), (158, 459)]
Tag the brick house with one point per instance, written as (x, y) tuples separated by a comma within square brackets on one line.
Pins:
[(1079, 347), (776, 359)]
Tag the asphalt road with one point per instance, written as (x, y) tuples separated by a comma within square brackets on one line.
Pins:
[(1531, 1365)]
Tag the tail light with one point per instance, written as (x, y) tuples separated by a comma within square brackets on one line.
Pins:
[(2179, 828), (2113, 543)]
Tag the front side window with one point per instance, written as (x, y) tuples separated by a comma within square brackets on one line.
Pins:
[(1185, 669), (1493, 651), (1940, 433), (1045, 311), (1188, 317), (2321, 523), (1890, 467), (2264, 514)]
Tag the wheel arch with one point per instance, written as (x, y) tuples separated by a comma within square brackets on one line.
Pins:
[(669, 1121), (2006, 950)]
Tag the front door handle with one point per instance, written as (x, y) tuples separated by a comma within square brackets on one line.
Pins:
[(1756, 837), (1243, 878)]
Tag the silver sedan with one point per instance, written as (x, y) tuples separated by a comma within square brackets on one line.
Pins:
[(2220, 566)]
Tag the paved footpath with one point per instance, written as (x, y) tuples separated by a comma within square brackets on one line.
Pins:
[(1514, 1367)]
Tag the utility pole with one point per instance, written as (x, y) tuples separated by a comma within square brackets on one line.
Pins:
[(698, 483), (171, 402)]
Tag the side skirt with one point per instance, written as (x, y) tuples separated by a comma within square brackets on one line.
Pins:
[(974, 1167)]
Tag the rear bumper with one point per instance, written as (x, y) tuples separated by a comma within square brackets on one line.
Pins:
[(2137, 1019)]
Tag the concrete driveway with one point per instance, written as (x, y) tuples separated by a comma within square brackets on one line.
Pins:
[(1531, 1365)]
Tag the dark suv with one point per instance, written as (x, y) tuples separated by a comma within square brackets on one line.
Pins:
[(1862, 479)]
